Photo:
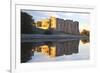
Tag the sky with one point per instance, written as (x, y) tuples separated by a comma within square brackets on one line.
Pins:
[(82, 18)]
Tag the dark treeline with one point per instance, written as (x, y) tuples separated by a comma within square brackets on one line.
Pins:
[(26, 23)]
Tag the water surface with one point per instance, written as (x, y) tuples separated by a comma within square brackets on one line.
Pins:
[(54, 50)]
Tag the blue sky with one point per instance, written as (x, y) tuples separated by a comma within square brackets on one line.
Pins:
[(82, 18)]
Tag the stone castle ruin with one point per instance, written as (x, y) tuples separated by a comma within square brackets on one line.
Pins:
[(60, 25)]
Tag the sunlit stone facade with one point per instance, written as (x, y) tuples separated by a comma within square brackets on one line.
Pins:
[(58, 24), (43, 24)]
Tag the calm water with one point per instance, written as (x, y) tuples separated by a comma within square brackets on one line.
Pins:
[(51, 50)]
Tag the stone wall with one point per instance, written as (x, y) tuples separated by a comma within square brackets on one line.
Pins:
[(67, 26), (58, 24)]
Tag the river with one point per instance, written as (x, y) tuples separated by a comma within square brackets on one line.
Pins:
[(54, 50)]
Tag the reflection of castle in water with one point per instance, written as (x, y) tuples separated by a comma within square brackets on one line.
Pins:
[(53, 49)]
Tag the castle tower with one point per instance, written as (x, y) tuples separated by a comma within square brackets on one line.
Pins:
[(60, 24), (68, 26), (76, 28), (53, 22)]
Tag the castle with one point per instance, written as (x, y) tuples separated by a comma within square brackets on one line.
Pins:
[(58, 24)]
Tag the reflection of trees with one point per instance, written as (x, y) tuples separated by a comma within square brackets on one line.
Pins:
[(84, 41), (26, 51)]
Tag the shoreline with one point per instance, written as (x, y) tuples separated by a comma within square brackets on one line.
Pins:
[(38, 37)]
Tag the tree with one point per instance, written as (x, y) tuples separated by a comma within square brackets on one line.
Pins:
[(26, 23), (85, 32)]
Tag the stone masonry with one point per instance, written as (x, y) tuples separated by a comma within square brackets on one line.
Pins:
[(58, 24)]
